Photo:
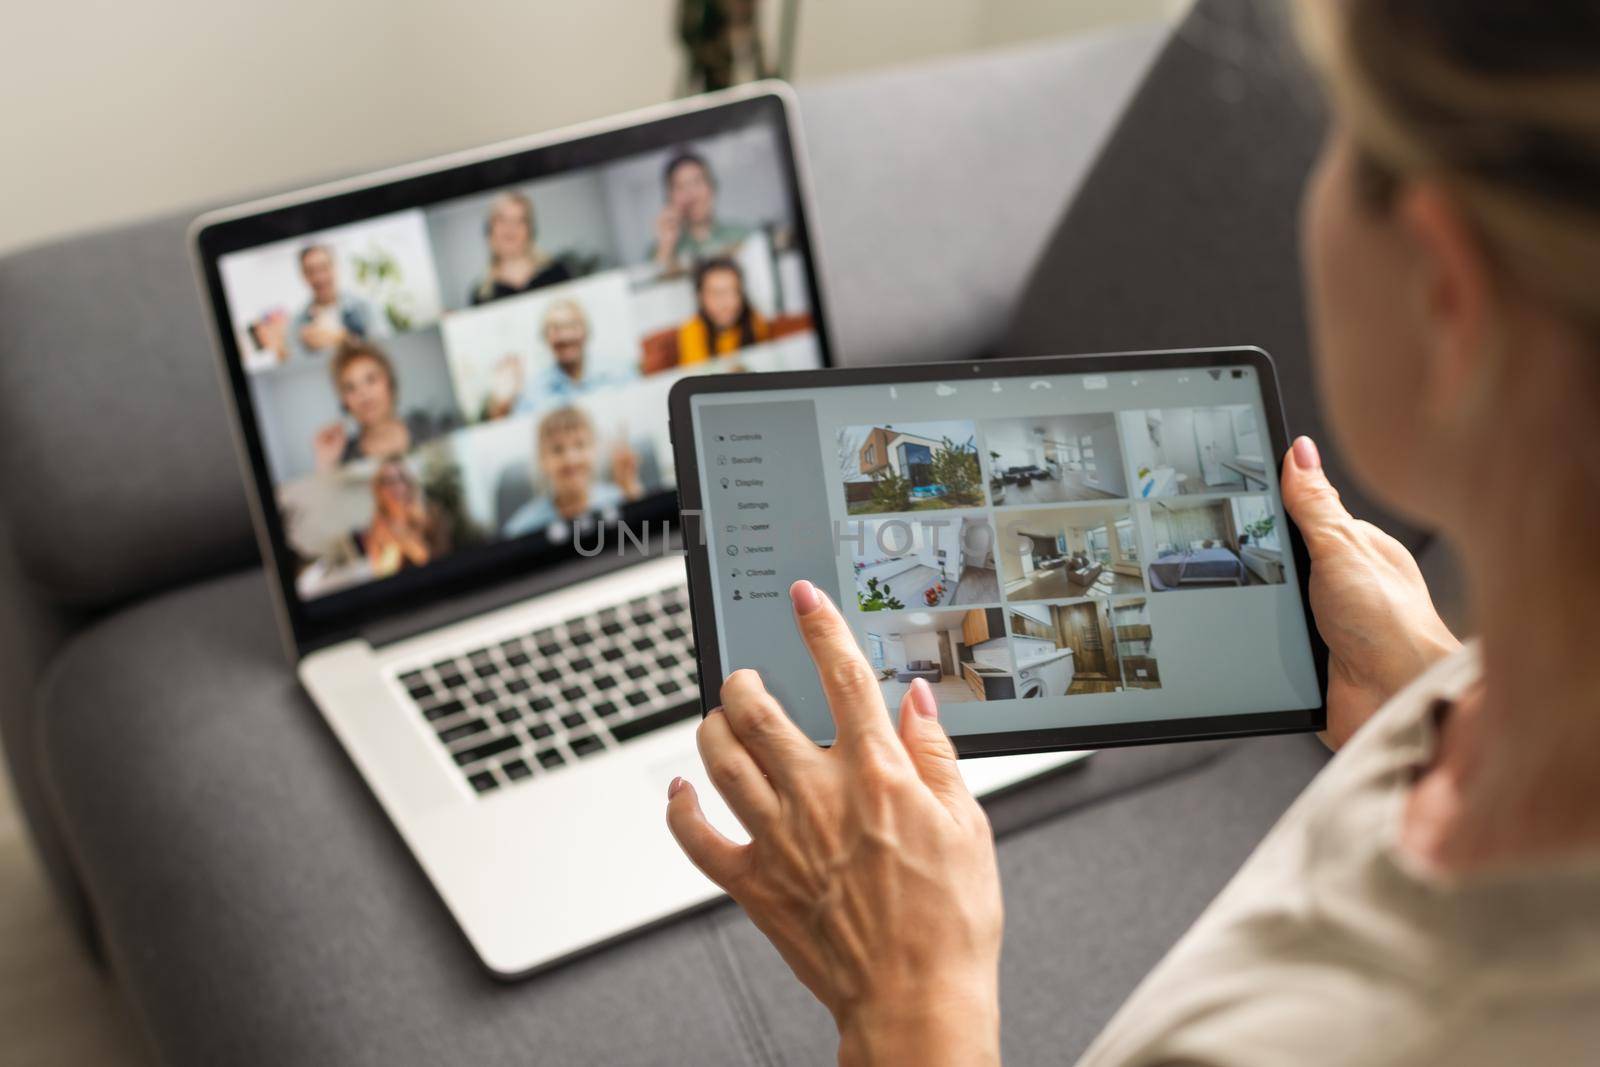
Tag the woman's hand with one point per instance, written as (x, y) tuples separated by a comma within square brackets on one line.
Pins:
[(1371, 603), (327, 446), (870, 867), (625, 468)]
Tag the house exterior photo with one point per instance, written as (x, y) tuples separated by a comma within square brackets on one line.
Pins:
[(887, 451)]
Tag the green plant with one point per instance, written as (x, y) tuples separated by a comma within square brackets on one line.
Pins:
[(379, 273), (1261, 528), (878, 597), (890, 492), (956, 468)]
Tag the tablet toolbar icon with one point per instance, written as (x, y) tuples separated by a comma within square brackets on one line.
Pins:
[(1040, 384), (944, 390)]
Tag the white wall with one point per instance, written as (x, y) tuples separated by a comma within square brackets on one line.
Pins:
[(121, 110)]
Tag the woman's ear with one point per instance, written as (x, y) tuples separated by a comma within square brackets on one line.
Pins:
[(1454, 297)]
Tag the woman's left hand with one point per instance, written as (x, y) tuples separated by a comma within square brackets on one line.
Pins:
[(870, 867)]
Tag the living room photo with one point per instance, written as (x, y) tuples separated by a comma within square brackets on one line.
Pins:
[(1055, 459), (1184, 451), (914, 466), (946, 561), (962, 655), (1055, 553), (1088, 646), (1207, 543)]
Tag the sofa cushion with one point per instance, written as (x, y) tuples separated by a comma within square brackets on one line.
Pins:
[(1186, 233), (260, 909)]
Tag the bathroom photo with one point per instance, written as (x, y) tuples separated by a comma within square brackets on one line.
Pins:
[(962, 655), (1187, 451), (1058, 553), (1089, 646), (1054, 459), (1211, 543)]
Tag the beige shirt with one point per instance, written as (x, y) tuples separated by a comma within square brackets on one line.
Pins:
[(1330, 947)]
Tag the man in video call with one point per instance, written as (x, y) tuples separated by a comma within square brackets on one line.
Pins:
[(688, 230), (330, 315), (565, 328)]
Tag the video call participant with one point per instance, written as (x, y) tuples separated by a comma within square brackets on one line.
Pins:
[(566, 451), (724, 322), (329, 317), (565, 329), (688, 230), (407, 531), (364, 379), (516, 262)]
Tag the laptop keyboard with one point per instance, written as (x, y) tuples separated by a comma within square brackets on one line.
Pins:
[(539, 702)]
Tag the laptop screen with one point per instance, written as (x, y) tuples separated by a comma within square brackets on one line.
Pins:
[(430, 383)]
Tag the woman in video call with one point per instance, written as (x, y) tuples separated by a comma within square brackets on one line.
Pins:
[(407, 531), (688, 229), (724, 321), (1434, 896), (516, 262), (368, 393), (567, 453)]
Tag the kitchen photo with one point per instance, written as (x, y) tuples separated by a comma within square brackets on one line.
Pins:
[(962, 655), (1088, 646)]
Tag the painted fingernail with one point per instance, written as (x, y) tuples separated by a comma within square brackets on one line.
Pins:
[(805, 597), (1306, 456), (675, 787), (922, 699)]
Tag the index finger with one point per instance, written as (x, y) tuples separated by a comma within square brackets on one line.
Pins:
[(847, 679)]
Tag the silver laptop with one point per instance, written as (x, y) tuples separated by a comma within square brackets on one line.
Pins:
[(449, 385)]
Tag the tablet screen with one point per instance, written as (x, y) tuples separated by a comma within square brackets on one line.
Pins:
[(1075, 550)]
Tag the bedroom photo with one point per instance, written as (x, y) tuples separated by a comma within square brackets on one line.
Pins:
[(1220, 542), (939, 562)]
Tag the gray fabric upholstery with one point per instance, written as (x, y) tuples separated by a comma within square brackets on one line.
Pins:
[(259, 909), (117, 473), (1186, 233), (935, 186)]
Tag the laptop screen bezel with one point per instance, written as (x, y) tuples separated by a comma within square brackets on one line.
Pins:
[(325, 620)]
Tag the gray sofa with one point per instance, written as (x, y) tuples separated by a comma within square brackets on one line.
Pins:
[(926, 669), (221, 856)]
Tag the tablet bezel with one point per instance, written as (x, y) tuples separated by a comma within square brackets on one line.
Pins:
[(1107, 735)]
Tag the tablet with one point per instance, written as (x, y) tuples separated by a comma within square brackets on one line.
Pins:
[(1074, 552)]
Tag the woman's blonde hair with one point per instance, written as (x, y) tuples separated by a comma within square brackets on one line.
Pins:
[(1501, 102), (531, 249)]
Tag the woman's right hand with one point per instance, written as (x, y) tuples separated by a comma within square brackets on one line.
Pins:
[(1371, 603)]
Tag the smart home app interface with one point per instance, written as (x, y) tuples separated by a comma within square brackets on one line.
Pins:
[(1048, 552)]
